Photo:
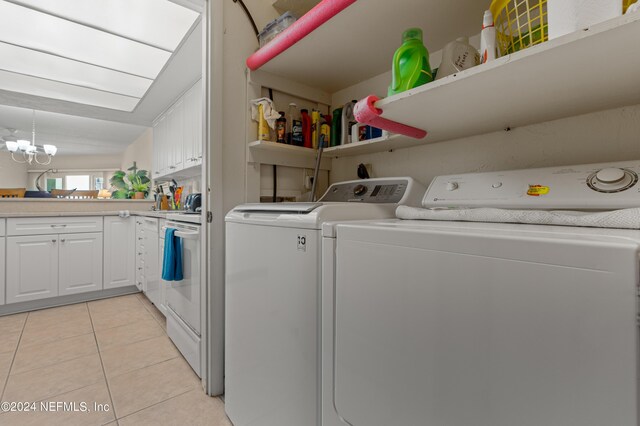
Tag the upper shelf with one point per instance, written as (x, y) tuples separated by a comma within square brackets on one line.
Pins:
[(358, 43), (587, 71)]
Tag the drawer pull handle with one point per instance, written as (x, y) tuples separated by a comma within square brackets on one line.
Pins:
[(62, 240)]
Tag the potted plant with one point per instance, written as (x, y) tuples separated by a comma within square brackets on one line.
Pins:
[(131, 185)]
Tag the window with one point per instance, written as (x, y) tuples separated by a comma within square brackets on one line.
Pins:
[(54, 183), (81, 182)]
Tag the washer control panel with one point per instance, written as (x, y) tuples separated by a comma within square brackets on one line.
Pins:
[(377, 190), (604, 186)]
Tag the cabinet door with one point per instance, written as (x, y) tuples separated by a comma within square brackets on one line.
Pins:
[(176, 136), (193, 126), (198, 113), (139, 272), (32, 268), (159, 148), (155, 168), (2, 255), (80, 264), (162, 303), (152, 269), (119, 252)]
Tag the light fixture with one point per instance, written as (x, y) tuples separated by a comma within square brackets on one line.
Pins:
[(11, 146), (30, 150)]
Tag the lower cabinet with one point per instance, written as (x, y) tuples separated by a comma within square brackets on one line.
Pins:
[(32, 268), (2, 269), (43, 266), (150, 263), (79, 263), (119, 252)]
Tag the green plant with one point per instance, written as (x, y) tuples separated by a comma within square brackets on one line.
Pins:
[(127, 184)]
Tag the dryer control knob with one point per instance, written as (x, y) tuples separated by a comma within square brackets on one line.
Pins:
[(610, 175), (452, 186), (359, 190)]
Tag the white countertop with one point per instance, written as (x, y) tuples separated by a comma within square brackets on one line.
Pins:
[(159, 214)]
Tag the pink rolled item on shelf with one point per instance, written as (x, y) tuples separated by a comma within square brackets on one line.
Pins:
[(317, 16), (366, 112)]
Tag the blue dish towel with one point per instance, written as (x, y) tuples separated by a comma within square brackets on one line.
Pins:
[(172, 256)]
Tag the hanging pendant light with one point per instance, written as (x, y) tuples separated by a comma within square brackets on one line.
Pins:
[(30, 150)]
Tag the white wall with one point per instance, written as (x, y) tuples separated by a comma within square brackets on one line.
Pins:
[(140, 151), (71, 162), (598, 137), (12, 174)]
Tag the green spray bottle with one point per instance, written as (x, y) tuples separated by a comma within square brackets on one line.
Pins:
[(410, 63)]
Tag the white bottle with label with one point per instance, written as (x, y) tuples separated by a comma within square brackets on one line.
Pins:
[(488, 49), (348, 120)]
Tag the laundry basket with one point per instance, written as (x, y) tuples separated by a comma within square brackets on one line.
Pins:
[(626, 4), (519, 23)]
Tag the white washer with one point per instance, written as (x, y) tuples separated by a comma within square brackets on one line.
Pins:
[(486, 324), (272, 367)]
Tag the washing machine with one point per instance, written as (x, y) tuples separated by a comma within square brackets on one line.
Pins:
[(457, 320), (273, 275)]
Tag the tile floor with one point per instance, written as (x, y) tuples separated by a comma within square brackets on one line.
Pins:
[(112, 352)]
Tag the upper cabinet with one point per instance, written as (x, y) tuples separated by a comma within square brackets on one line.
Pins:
[(177, 135)]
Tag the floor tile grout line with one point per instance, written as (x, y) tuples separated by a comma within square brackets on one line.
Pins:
[(140, 368), (51, 365), (144, 339), (104, 373), (156, 403), (6, 380)]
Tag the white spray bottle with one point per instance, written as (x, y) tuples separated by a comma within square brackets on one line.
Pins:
[(488, 51)]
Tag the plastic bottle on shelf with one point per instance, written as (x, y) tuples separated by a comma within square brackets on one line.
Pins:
[(281, 128), (336, 127), (306, 128), (315, 128), (325, 131), (348, 120), (410, 63), (264, 133), (295, 126), (488, 48)]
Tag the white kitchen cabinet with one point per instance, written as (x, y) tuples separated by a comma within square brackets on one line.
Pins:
[(177, 135), (119, 252), (32, 268), (53, 225), (139, 245), (79, 263), (150, 263), (193, 112)]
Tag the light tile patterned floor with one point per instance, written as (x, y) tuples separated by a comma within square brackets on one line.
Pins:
[(112, 352)]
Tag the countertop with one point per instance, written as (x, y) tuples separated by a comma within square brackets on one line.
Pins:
[(158, 214)]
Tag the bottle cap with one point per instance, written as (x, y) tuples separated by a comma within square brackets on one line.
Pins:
[(487, 21), (412, 34)]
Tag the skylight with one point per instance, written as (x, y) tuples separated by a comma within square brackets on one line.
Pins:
[(100, 52)]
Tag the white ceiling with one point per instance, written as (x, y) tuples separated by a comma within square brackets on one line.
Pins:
[(71, 124), (72, 135), (100, 52)]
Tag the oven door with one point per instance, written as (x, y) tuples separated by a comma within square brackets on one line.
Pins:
[(183, 297)]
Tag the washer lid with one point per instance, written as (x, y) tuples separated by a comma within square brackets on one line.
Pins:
[(279, 208)]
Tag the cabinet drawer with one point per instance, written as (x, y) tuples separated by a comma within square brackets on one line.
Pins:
[(150, 225), (53, 225), (2, 227)]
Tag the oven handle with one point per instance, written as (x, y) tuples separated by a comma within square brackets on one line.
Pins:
[(188, 235)]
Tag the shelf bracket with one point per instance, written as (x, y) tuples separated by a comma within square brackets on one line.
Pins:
[(366, 112), (304, 26)]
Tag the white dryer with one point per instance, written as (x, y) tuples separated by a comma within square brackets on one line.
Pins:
[(273, 254), (455, 323)]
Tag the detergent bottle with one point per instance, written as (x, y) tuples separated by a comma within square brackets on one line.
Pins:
[(410, 63)]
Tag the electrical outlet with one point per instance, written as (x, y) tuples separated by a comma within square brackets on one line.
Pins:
[(308, 182)]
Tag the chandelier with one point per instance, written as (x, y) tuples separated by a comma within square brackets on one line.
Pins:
[(30, 151)]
